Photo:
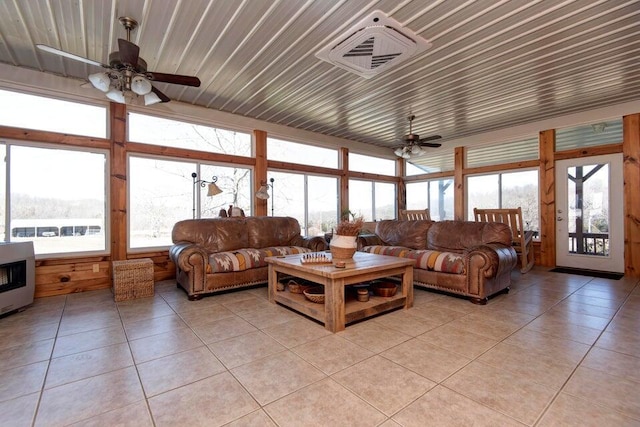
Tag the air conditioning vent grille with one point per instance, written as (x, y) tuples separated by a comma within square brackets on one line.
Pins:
[(374, 45)]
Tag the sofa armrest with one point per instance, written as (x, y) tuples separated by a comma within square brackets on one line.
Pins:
[(188, 256), (315, 243), (368, 240), (492, 259)]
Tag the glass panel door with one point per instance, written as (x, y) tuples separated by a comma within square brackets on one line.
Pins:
[(589, 213)]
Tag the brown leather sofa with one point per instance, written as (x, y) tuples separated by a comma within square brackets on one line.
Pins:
[(473, 259), (217, 254)]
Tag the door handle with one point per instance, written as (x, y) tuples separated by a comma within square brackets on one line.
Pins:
[(559, 218)]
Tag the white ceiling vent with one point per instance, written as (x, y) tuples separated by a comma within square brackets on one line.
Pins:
[(373, 45)]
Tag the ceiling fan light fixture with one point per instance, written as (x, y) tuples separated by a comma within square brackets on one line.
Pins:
[(406, 155), (416, 150), (100, 81), (140, 85), (151, 98), (116, 96), (398, 151)]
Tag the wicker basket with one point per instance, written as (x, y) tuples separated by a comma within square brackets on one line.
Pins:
[(384, 289), (343, 247), (315, 294), (132, 279)]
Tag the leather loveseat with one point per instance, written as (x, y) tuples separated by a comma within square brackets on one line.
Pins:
[(473, 259), (217, 254)]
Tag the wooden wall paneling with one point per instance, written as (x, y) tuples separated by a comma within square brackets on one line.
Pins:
[(631, 173), (118, 181), (459, 201), (163, 267), (65, 276), (260, 171), (547, 194)]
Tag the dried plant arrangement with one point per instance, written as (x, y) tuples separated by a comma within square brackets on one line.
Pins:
[(349, 228)]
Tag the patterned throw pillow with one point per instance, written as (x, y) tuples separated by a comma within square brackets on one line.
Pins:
[(245, 259), (446, 262)]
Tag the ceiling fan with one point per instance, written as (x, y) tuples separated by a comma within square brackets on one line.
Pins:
[(413, 143), (126, 74)]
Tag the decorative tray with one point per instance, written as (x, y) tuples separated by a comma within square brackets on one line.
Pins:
[(316, 258)]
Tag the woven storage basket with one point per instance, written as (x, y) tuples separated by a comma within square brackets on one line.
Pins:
[(342, 253), (132, 279)]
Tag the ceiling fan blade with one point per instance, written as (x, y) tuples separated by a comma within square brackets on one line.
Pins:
[(430, 144), (162, 96), (129, 52), (174, 78), (429, 138), (55, 51)]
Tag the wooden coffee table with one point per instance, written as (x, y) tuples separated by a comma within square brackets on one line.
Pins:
[(336, 312)]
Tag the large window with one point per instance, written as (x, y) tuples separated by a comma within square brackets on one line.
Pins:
[(56, 199), (162, 192), (506, 190), (54, 115), (293, 152), (311, 199), (435, 195), (180, 134), (373, 201), (370, 164)]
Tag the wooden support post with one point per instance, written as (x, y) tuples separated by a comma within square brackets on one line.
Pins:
[(118, 181), (547, 194), (260, 175), (631, 171)]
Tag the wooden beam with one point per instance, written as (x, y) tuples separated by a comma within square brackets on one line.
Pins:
[(598, 150), (459, 201), (260, 175), (547, 194), (344, 181), (53, 137), (631, 173), (401, 167), (118, 181)]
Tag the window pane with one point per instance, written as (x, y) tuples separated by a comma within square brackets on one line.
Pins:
[(442, 161), (235, 184), (361, 198), (54, 115), (71, 195), (288, 196), (160, 194), (173, 133), (417, 195), (370, 164), (441, 199), (520, 189), (589, 135), (322, 204), (385, 207), (293, 152), (482, 192), (436, 195)]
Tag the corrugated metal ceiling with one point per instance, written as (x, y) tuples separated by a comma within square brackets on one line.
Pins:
[(493, 64)]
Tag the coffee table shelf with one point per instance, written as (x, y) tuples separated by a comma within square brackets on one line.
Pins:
[(354, 310)]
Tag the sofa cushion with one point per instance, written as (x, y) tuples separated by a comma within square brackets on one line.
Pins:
[(410, 234), (446, 262), (245, 259), (457, 236)]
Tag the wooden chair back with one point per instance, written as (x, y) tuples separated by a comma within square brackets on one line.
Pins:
[(412, 215), (522, 239)]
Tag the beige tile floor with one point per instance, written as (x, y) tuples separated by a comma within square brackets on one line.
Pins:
[(557, 350)]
